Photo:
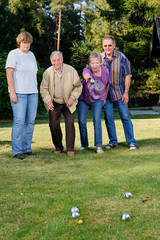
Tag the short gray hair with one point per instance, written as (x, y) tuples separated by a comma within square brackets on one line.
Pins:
[(95, 55), (56, 52), (109, 37)]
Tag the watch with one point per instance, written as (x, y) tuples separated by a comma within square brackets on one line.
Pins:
[(126, 91)]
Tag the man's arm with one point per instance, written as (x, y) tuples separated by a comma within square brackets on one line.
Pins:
[(125, 97), (44, 90)]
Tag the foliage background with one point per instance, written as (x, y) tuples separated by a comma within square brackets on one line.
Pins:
[(84, 24)]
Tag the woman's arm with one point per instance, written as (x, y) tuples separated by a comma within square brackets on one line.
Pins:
[(9, 74), (107, 88), (87, 74)]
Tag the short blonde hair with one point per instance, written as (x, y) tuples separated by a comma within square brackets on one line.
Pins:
[(24, 37), (95, 55)]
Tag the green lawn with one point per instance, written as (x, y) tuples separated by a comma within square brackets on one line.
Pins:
[(36, 193)]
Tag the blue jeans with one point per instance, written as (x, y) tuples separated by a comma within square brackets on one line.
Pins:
[(125, 118), (82, 120), (24, 114)]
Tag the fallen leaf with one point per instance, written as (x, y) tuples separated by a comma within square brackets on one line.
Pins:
[(144, 199)]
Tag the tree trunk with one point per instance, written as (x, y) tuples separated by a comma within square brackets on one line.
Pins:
[(55, 39), (59, 31)]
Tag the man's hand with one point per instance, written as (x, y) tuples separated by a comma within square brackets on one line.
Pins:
[(70, 102), (125, 98), (13, 97), (50, 106)]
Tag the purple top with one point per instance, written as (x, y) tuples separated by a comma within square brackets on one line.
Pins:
[(91, 93)]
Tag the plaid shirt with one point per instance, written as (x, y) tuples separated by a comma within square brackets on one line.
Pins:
[(118, 67)]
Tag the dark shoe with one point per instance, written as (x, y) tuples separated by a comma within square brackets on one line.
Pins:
[(30, 154), (19, 156), (109, 146)]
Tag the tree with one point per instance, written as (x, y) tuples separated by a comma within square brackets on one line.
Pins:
[(57, 6), (80, 54), (130, 22)]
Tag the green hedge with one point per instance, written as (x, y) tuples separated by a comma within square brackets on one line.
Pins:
[(5, 106)]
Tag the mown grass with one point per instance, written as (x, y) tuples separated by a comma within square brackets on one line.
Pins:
[(38, 192)]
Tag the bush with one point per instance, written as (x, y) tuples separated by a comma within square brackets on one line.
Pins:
[(145, 100), (5, 109)]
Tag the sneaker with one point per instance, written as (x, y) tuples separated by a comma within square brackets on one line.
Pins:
[(132, 147), (99, 150), (110, 145), (81, 148)]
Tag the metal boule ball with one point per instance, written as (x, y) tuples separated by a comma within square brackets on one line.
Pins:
[(125, 216), (92, 81), (128, 195), (74, 209), (75, 214)]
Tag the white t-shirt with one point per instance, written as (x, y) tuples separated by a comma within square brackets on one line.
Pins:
[(25, 71)]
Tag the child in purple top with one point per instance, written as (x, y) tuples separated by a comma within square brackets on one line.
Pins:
[(94, 94)]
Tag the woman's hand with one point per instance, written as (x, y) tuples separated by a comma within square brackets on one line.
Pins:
[(104, 102), (87, 77), (13, 97)]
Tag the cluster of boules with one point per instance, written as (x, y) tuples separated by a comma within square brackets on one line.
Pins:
[(125, 216), (74, 212)]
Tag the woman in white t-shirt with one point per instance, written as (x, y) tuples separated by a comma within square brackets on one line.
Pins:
[(21, 71)]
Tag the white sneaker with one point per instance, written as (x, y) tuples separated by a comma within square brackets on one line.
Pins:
[(81, 148), (99, 150), (132, 147)]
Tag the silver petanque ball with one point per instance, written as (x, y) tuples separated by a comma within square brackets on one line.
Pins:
[(75, 214), (74, 209), (125, 216), (92, 81), (128, 195)]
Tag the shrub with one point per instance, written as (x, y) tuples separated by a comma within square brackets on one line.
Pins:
[(5, 106)]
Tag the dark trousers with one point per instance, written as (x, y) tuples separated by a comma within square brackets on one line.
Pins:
[(54, 124)]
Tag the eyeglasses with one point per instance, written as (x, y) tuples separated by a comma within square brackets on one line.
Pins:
[(110, 45)]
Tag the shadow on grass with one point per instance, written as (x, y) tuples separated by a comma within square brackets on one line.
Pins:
[(144, 142), (40, 153), (5, 143)]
